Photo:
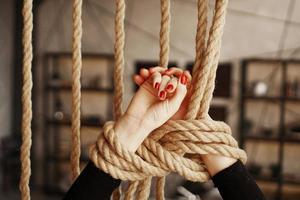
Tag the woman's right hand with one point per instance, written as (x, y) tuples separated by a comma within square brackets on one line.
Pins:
[(214, 163), (151, 106)]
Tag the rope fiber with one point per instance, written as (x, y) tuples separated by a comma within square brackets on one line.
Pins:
[(76, 86), (176, 145), (173, 147), (26, 100)]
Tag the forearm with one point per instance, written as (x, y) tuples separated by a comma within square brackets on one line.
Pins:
[(92, 184), (131, 132), (215, 163), (235, 183)]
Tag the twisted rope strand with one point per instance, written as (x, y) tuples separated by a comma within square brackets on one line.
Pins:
[(214, 45), (119, 57), (200, 36), (26, 100), (132, 187), (164, 41), (175, 146), (76, 86), (164, 38), (119, 66)]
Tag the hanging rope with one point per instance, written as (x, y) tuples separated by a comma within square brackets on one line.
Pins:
[(164, 39), (204, 79), (76, 86), (26, 100), (165, 149), (119, 58), (119, 67)]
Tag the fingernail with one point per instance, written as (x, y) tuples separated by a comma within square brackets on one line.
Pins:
[(156, 86), (162, 94), (183, 79), (170, 87)]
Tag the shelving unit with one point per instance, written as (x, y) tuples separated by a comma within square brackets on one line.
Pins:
[(57, 76), (282, 139)]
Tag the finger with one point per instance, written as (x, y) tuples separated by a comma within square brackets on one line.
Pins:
[(144, 73), (138, 79), (175, 71), (162, 94), (156, 77), (157, 69), (188, 74), (172, 84), (176, 100)]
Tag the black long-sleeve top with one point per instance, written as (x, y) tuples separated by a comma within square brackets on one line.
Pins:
[(233, 183)]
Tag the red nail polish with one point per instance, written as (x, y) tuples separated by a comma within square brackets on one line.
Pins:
[(156, 86), (183, 79), (170, 87), (162, 94)]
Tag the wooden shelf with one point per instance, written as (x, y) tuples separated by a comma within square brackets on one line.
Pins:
[(264, 98), (262, 138), (271, 98), (281, 100), (272, 139), (275, 180), (84, 55), (67, 122), (292, 99), (53, 88), (54, 158), (64, 87)]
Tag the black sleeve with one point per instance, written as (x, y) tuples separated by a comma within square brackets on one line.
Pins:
[(92, 184), (235, 183)]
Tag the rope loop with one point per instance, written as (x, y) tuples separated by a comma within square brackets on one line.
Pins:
[(170, 148)]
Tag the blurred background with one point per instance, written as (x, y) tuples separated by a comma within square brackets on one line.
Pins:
[(257, 87)]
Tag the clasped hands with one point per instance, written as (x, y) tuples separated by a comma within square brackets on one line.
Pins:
[(163, 94)]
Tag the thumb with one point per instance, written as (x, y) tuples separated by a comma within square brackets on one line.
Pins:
[(176, 100)]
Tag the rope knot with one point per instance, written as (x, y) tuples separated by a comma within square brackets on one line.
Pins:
[(174, 147)]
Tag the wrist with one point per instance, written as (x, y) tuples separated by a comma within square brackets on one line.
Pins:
[(130, 132), (216, 163)]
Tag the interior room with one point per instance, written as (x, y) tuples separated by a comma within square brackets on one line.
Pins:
[(70, 69)]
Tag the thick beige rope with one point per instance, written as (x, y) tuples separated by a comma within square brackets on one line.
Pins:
[(213, 53), (164, 41), (76, 86), (200, 36), (119, 67), (162, 153), (26, 100), (164, 33), (208, 64), (119, 57), (175, 146)]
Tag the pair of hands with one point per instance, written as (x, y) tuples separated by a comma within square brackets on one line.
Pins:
[(163, 94)]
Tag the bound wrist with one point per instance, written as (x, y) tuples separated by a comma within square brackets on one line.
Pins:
[(131, 132)]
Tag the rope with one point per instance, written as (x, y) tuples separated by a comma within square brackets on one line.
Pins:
[(76, 93), (26, 100), (165, 149), (119, 67), (119, 57), (175, 146), (204, 79), (200, 36), (164, 33), (213, 53), (164, 41)]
